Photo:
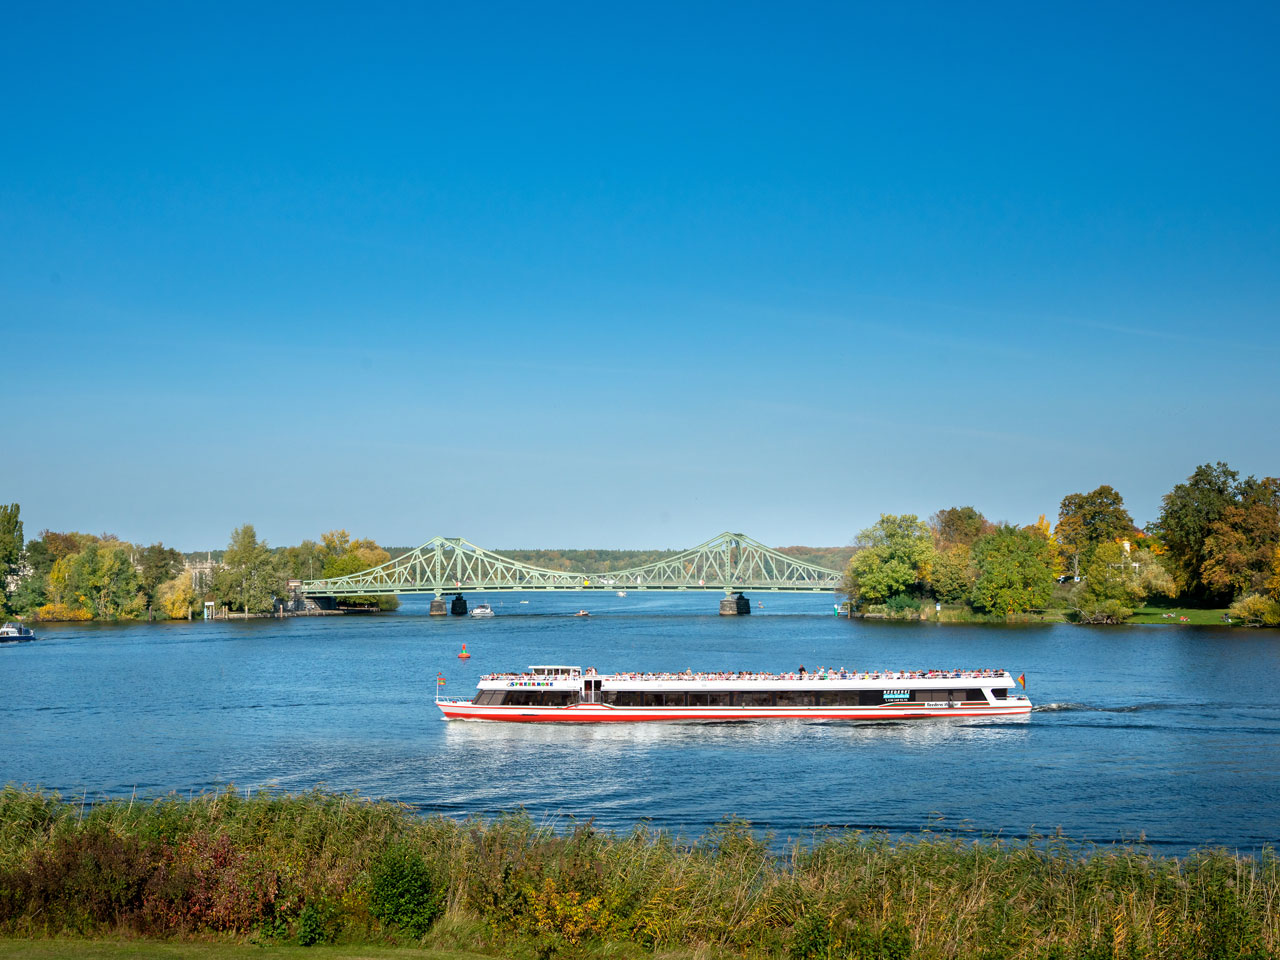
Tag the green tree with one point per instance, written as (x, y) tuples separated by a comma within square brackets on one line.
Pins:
[(1116, 581), (251, 576), (99, 580), (894, 559), (344, 556), (1015, 571), (1240, 545), (952, 575), (1187, 513), (157, 564), (1086, 520), (958, 526), (11, 548), (306, 560)]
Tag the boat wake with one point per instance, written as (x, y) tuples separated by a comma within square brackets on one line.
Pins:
[(1090, 708)]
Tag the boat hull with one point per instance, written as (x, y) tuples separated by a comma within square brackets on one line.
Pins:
[(603, 713)]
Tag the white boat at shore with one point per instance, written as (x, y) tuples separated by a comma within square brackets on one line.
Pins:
[(570, 694)]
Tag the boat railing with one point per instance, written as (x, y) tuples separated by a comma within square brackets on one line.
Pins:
[(807, 676)]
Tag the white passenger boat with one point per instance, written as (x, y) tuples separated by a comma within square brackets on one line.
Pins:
[(570, 694), (482, 610)]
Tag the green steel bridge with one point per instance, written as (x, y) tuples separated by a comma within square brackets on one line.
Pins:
[(731, 562)]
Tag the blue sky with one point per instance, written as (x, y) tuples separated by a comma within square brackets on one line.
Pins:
[(604, 276)]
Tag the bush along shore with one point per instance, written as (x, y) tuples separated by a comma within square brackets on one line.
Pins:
[(319, 868)]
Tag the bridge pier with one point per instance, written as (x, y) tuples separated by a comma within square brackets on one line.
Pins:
[(735, 605), (438, 608), (459, 605)]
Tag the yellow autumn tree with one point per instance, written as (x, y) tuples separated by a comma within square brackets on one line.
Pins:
[(1044, 529), (1273, 584), (175, 598)]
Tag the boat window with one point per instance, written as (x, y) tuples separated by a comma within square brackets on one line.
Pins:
[(1000, 693), (699, 699), (794, 698), (489, 698), (719, 699), (538, 698), (623, 698), (755, 698), (844, 698), (653, 699)]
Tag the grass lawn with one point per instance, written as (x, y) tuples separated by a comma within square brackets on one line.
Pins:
[(1150, 614), (176, 950)]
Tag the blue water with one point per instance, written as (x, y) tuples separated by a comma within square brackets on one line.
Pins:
[(1160, 734)]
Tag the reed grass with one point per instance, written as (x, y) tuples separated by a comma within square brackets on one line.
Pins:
[(321, 867)]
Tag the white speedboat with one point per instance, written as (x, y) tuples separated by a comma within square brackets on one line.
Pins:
[(569, 694), (481, 610), (15, 633)]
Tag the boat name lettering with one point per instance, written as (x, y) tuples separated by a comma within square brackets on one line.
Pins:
[(897, 694)]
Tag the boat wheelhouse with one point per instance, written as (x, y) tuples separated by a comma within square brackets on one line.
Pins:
[(551, 693)]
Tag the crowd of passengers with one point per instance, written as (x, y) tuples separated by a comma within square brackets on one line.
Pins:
[(821, 673)]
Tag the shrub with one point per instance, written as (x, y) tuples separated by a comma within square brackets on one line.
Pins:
[(404, 892), (61, 612), (1257, 610), (824, 937), (87, 878), (317, 923), (901, 603)]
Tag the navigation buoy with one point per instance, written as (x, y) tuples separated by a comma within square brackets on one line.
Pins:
[(464, 655)]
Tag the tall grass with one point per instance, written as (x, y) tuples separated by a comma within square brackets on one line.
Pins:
[(317, 867)]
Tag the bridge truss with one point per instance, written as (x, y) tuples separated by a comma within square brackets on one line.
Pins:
[(731, 562)]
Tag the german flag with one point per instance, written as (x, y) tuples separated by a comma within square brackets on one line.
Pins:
[(1022, 679)]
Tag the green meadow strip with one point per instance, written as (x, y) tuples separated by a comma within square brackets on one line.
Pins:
[(318, 869)]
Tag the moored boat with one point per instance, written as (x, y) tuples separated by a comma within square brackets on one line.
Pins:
[(15, 633), (569, 694), (482, 610)]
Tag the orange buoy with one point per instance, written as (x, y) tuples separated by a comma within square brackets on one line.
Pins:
[(464, 655)]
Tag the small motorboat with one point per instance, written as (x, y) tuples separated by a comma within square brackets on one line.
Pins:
[(582, 613), (482, 610), (15, 633), (622, 593)]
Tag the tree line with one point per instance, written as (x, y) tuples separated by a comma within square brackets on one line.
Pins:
[(81, 576), (1216, 543)]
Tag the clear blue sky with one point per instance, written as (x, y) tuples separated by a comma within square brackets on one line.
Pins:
[(603, 276)]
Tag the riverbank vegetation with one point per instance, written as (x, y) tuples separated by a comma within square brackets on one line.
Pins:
[(1215, 546), (1214, 549), (82, 576), (321, 868)]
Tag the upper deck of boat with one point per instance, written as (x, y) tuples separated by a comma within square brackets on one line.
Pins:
[(738, 679)]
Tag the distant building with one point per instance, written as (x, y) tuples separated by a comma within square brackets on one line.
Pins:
[(201, 572)]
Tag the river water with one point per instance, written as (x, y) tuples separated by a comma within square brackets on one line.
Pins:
[(1160, 734)]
